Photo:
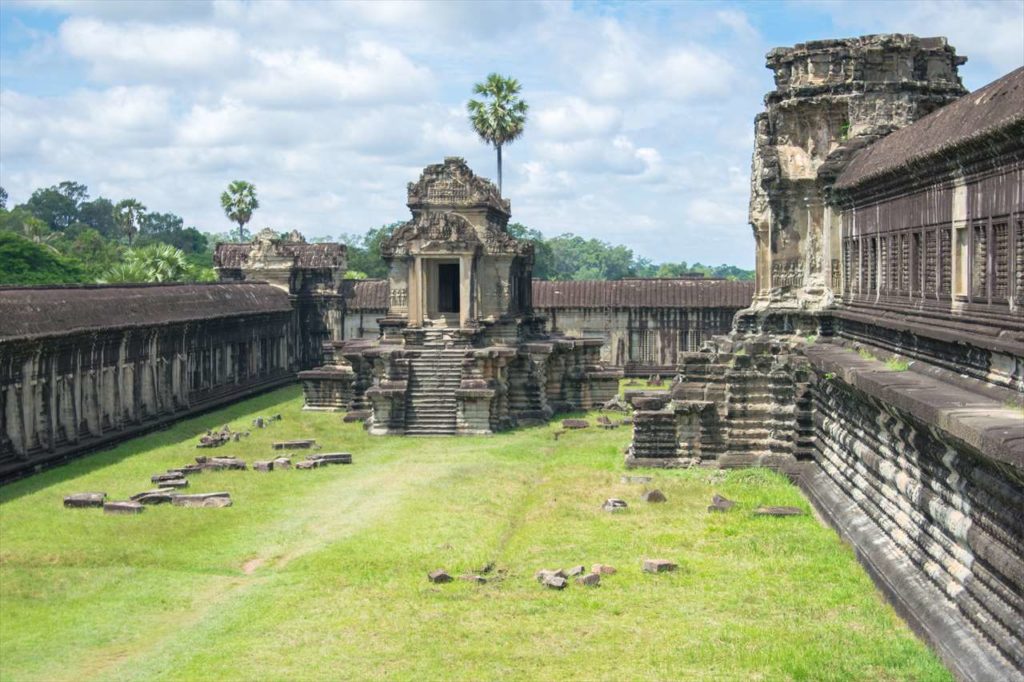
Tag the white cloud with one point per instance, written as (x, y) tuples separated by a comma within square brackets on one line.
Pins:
[(371, 73), (575, 118), (135, 50)]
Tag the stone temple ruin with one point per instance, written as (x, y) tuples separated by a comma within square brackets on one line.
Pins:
[(881, 363), (878, 360), (460, 351)]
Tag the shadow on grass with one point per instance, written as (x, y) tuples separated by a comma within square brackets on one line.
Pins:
[(179, 431)]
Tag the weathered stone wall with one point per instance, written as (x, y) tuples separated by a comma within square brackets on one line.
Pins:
[(100, 364)]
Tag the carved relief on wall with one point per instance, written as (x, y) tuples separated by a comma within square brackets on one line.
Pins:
[(399, 298), (787, 273), (452, 182)]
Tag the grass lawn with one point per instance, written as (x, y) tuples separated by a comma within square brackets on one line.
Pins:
[(321, 574)]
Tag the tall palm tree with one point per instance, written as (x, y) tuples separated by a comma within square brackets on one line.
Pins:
[(500, 118), (128, 216), (238, 202)]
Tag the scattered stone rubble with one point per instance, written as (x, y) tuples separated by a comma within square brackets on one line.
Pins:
[(219, 499), (654, 496), (439, 576), (778, 511), (302, 444), (122, 507), (720, 504), (575, 423), (658, 566), (614, 504)]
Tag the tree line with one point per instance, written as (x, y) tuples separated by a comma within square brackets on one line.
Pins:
[(564, 257), (62, 236)]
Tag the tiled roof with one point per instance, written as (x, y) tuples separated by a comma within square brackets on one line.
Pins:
[(27, 312), (643, 293), (365, 294), (996, 106)]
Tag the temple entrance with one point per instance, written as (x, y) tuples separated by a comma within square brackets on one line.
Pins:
[(448, 288)]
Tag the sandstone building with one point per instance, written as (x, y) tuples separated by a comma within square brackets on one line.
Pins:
[(881, 363), (460, 349)]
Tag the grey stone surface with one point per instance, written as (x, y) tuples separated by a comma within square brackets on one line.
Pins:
[(720, 504), (206, 500), (613, 504), (555, 582), (439, 576), (122, 507), (658, 566), (589, 580), (263, 465), (654, 496), (574, 571), (778, 511), (602, 569), (84, 500)]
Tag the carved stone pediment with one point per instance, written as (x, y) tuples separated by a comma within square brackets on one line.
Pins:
[(442, 230), (453, 184)]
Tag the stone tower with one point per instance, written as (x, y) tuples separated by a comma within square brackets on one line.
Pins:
[(831, 98), (454, 265)]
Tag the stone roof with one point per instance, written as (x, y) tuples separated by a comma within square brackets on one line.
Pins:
[(994, 107), (643, 293), (307, 256), (30, 312), (365, 294)]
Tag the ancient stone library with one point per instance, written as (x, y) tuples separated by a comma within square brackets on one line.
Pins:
[(877, 359)]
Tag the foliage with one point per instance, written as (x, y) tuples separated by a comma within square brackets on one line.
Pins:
[(99, 215), (897, 364), (322, 573), (128, 214), (500, 118), (22, 262), (57, 206), (3, 199), (239, 202), (364, 250), (155, 263)]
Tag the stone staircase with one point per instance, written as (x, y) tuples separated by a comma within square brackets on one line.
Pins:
[(430, 405)]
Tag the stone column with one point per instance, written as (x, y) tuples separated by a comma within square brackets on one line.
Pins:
[(465, 272), (416, 294)]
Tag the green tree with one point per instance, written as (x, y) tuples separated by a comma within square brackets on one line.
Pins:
[(99, 215), (22, 262), (364, 250), (57, 206), (155, 263), (501, 117), (3, 199), (129, 214), (160, 223), (239, 202), (26, 225)]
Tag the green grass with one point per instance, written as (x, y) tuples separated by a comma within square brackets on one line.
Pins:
[(322, 574)]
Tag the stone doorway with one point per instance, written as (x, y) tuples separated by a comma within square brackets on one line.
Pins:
[(448, 288)]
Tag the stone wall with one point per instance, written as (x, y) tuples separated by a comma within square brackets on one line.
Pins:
[(82, 367)]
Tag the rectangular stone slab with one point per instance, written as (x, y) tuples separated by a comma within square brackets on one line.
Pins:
[(202, 500), (123, 507), (79, 500), (294, 444)]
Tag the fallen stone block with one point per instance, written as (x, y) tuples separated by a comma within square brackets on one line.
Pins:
[(219, 463), (148, 497), (589, 580), (637, 479), (186, 470), (575, 423), (173, 483), (555, 582), (546, 573), (202, 500), (602, 569), (308, 464), (654, 496), (658, 566), (333, 458), (170, 476), (263, 466), (122, 507), (303, 444), (472, 578), (778, 511), (357, 416), (720, 504), (614, 504), (439, 576), (575, 571), (82, 500), (258, 422), (282, 463)]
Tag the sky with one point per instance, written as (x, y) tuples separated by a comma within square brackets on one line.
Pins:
[(640, 128)]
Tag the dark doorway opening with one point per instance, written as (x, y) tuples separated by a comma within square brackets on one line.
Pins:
[(448, 287)]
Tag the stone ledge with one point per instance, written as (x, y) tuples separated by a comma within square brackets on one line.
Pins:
[(928, 612), (983, 424)]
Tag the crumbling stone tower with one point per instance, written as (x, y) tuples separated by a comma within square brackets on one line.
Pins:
[(831, 98)]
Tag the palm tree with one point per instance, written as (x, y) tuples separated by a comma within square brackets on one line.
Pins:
[(500, 118), (153, 263), (128, 215), (238, 202)]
